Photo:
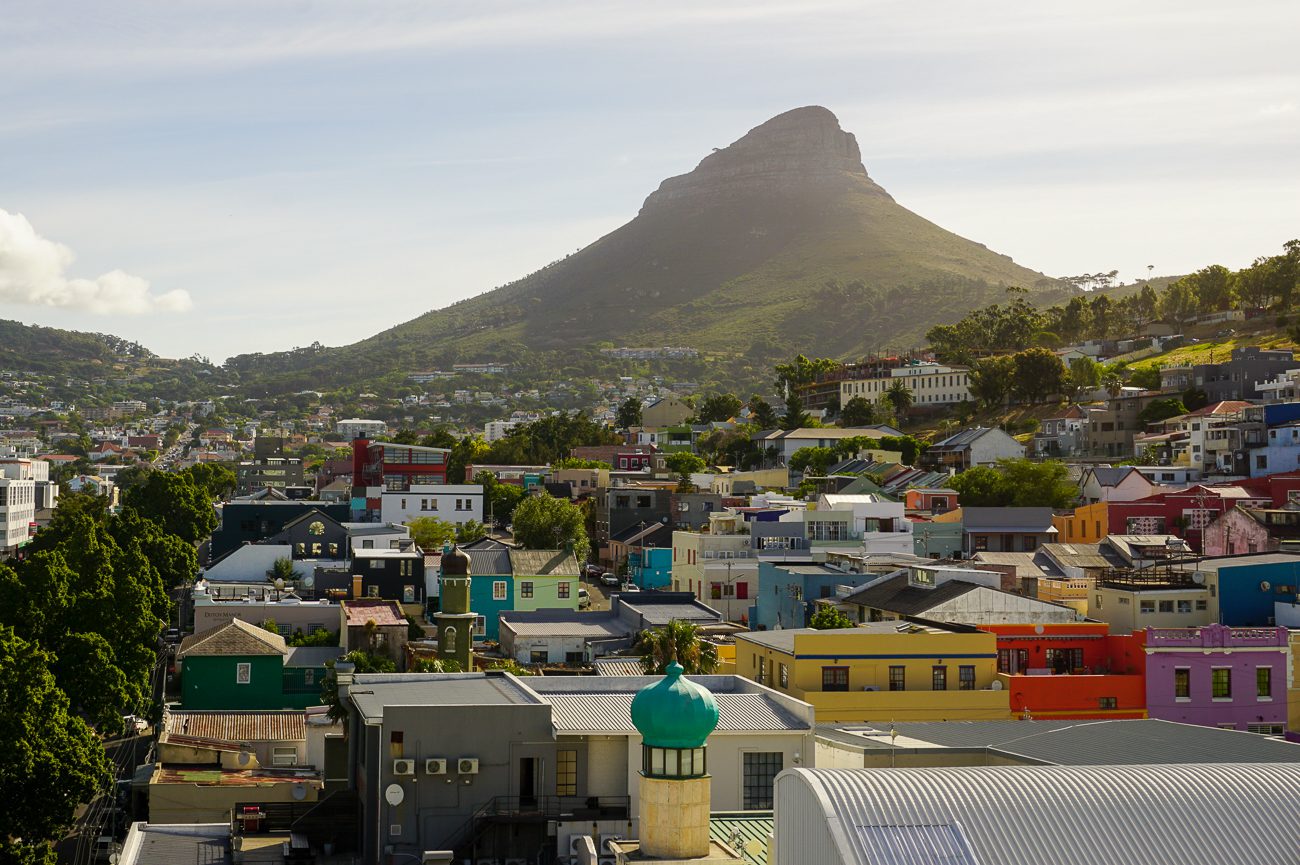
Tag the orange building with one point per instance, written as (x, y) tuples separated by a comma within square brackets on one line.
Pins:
[(1086, 525), (1071, 670)]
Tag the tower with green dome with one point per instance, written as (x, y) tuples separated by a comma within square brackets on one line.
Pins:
[(674, 717)]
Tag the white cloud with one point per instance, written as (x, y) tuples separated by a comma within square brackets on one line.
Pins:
[(33, 271)]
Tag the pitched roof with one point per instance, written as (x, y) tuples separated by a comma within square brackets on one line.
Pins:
[(961, 439), (287, 726), (360, 612), (1007, 519), (488, 562), (548, 563), (897, 596), (1112, 476), (236, 637)]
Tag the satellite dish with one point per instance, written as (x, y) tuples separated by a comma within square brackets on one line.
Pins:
[(309, 580), (1264, 585), (997, 685), (1038, 629), (244, 758), (394, 794), (299, 792)]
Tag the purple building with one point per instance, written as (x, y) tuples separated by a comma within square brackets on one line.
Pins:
[(1218, 676)]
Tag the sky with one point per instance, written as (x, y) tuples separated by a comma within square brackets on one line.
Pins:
[(223, 178)]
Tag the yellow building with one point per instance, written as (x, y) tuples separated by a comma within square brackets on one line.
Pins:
[(881, 671), (1086, 525)]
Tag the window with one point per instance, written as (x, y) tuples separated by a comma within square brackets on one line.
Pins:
[(537, 656), (898, 678), (1264, 682), (759, 772), (449, 639), (1182, 683), (1166, 606), (981, 543), (835, 678), (1107, 703), (480, 626), (1221, 683), (525, 590), (965, 678), (372, 591), (309, 677), (284, 756), (395, 747), (785, 676), (938, 678), (566, 773), (1266, 729), (1185, 606), (562, 590), (1146, 607), (1064, 660), (408, 594), (498, 590), (1202, 605), (243, 673)]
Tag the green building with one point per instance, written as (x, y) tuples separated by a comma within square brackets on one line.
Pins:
[(545, 579), (455, 620), (242, 666)]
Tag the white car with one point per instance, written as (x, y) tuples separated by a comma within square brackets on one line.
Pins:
[(584, 599), (135, 724)]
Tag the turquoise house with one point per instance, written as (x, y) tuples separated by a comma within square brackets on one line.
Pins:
[(655, 572), (491, 585)]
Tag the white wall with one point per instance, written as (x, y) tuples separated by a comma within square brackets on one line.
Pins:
[(452, 503), (248, 564)]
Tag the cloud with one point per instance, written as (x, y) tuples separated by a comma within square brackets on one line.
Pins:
[(33, 271)]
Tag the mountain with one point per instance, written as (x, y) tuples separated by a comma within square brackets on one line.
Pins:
[(779, 241)]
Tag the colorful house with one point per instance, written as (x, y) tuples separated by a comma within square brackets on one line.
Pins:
[(884, 671), (242, 666), (1249, 586), (1071, 670), (1252, 530), (545, 579), (1235, 678), (1185, 513), (1086, 524), (491, 586), (651, 568), (931, 500)]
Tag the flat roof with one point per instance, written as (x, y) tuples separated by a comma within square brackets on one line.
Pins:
[(371, 692)]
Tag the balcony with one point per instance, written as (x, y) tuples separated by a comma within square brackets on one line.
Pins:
[(1216, 637)]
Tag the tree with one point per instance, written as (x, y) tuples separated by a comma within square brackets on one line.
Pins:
[(365, 662), (629, 413), (762, 413), (829, 618), (1114, 380), (1038, 374), (436, 665), (176, 504), (718, 407), (1085, 375), (900, 398), (908, 446), (1214, 288), (677, 641), (859, 411), (430, 533), (991, 380), (684, 464), (1194, 398), (813, 460), (542, 522), (51, 760), (470, 531), (217, 480), (501, 499), (980, 487), (282, 569), (795, 417), (1016, 483), (1161, 409), (318, 637)]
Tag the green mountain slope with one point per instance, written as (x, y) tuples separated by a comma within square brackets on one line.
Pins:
[(779, 241)]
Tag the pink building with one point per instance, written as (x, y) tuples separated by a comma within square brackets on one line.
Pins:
[(1251, 530), (1216, 676)]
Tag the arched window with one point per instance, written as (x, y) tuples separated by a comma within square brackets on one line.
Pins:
[(449, 639)]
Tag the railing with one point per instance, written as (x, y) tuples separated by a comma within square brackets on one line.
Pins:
[(536, 809), (1215, 636)]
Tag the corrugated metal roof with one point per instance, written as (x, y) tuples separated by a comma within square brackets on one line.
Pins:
[(489, 562), (238, 726), (618, 667), (167, 845), (612, 713), (600, 624), (547, 563), (1013, 815), (746, 832)]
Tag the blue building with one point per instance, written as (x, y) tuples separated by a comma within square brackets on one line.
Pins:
[(655, 572), (786, 592), (491, 585), (1249, 585)]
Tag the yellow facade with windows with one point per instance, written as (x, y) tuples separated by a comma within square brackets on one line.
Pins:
[(883, 671), (1088, 524)]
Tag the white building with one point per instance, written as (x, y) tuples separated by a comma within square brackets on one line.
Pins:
[(930, 384), (452, 503), (494, 430), (359, 428), (19, 480), (883, 524)]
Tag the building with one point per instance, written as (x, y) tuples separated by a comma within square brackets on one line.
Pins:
[(376, 627), (242, 666), (1155, 814), (1114, 484), (498, 767), (251, 522), (1214, 675), (718, 565), (215, 606), (930, 500), (385, 467), (269, 467), (19, 480), (930, 383), (947, 594), (1086, 524), (1252, 530), (492, 584), (883, 671), (1109, 432), (454, 620), (1061, 435), (786, 592), (1006, 530), (650, 567), (787, 442), (1162, 596), (545, 579), (1249, 586), (1184, 513), (358, 428), (392, 574), (878, 520), (1238, 378), (667, 411), (451, 503), (980, 446)]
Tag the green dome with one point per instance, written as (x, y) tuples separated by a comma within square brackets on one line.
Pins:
[(674, 712)]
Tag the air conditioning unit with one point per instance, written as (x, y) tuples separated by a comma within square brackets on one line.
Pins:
[(467, 766), (577, 843), (604, 843), (403, 767), (435, 766)]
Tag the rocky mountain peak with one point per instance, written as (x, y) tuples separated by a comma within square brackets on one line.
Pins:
[(800, 151)]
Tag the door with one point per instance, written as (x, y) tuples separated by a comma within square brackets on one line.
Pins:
[(528, 772)]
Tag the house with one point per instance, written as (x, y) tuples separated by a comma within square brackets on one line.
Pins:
[(718, 565), (930, 500), (1149, 814), (545, 579), (1237, 378), (1215, 675), (560, 636), (214, 605), (1070, 670), (1006, 530), (619, 509), (492, 584), (980, 446), (946, 594), (931, 384), (1252, 530), (1109, 431), (242, 666), (1114, 484), (786, 442), (374, 626), (1184, 513), (269, 467), (451, 503), (786, 592), (634, 540), (360, 428), (1133, 599), (494, 767), (936, 539), (251, 522), (1060, 435), (880, 521), (650, 567), (666, 411), (391, 574), (1248, 586), (1086, 524), (387, 467), (883, 671)]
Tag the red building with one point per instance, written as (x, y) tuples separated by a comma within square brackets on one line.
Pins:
[(379, 467), (1184, 513), (1071, 670)]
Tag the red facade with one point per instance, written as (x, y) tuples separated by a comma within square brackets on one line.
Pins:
[(1185, 513)]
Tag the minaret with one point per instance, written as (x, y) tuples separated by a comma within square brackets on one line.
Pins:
[(674, 716), (455, 620)]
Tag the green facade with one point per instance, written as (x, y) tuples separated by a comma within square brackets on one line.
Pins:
[(545, 592), (212, 682)]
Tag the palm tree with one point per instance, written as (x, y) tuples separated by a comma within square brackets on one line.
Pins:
[(678, 641), (899, 395), (1113, 381)]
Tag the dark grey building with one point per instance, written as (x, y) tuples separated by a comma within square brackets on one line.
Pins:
[(621, 508), (1237, 378)]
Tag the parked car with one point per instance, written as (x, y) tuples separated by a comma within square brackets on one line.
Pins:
[(631, 587), (584, 599), (593, 572), (172, 635), (135, 724), (609, 579)]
